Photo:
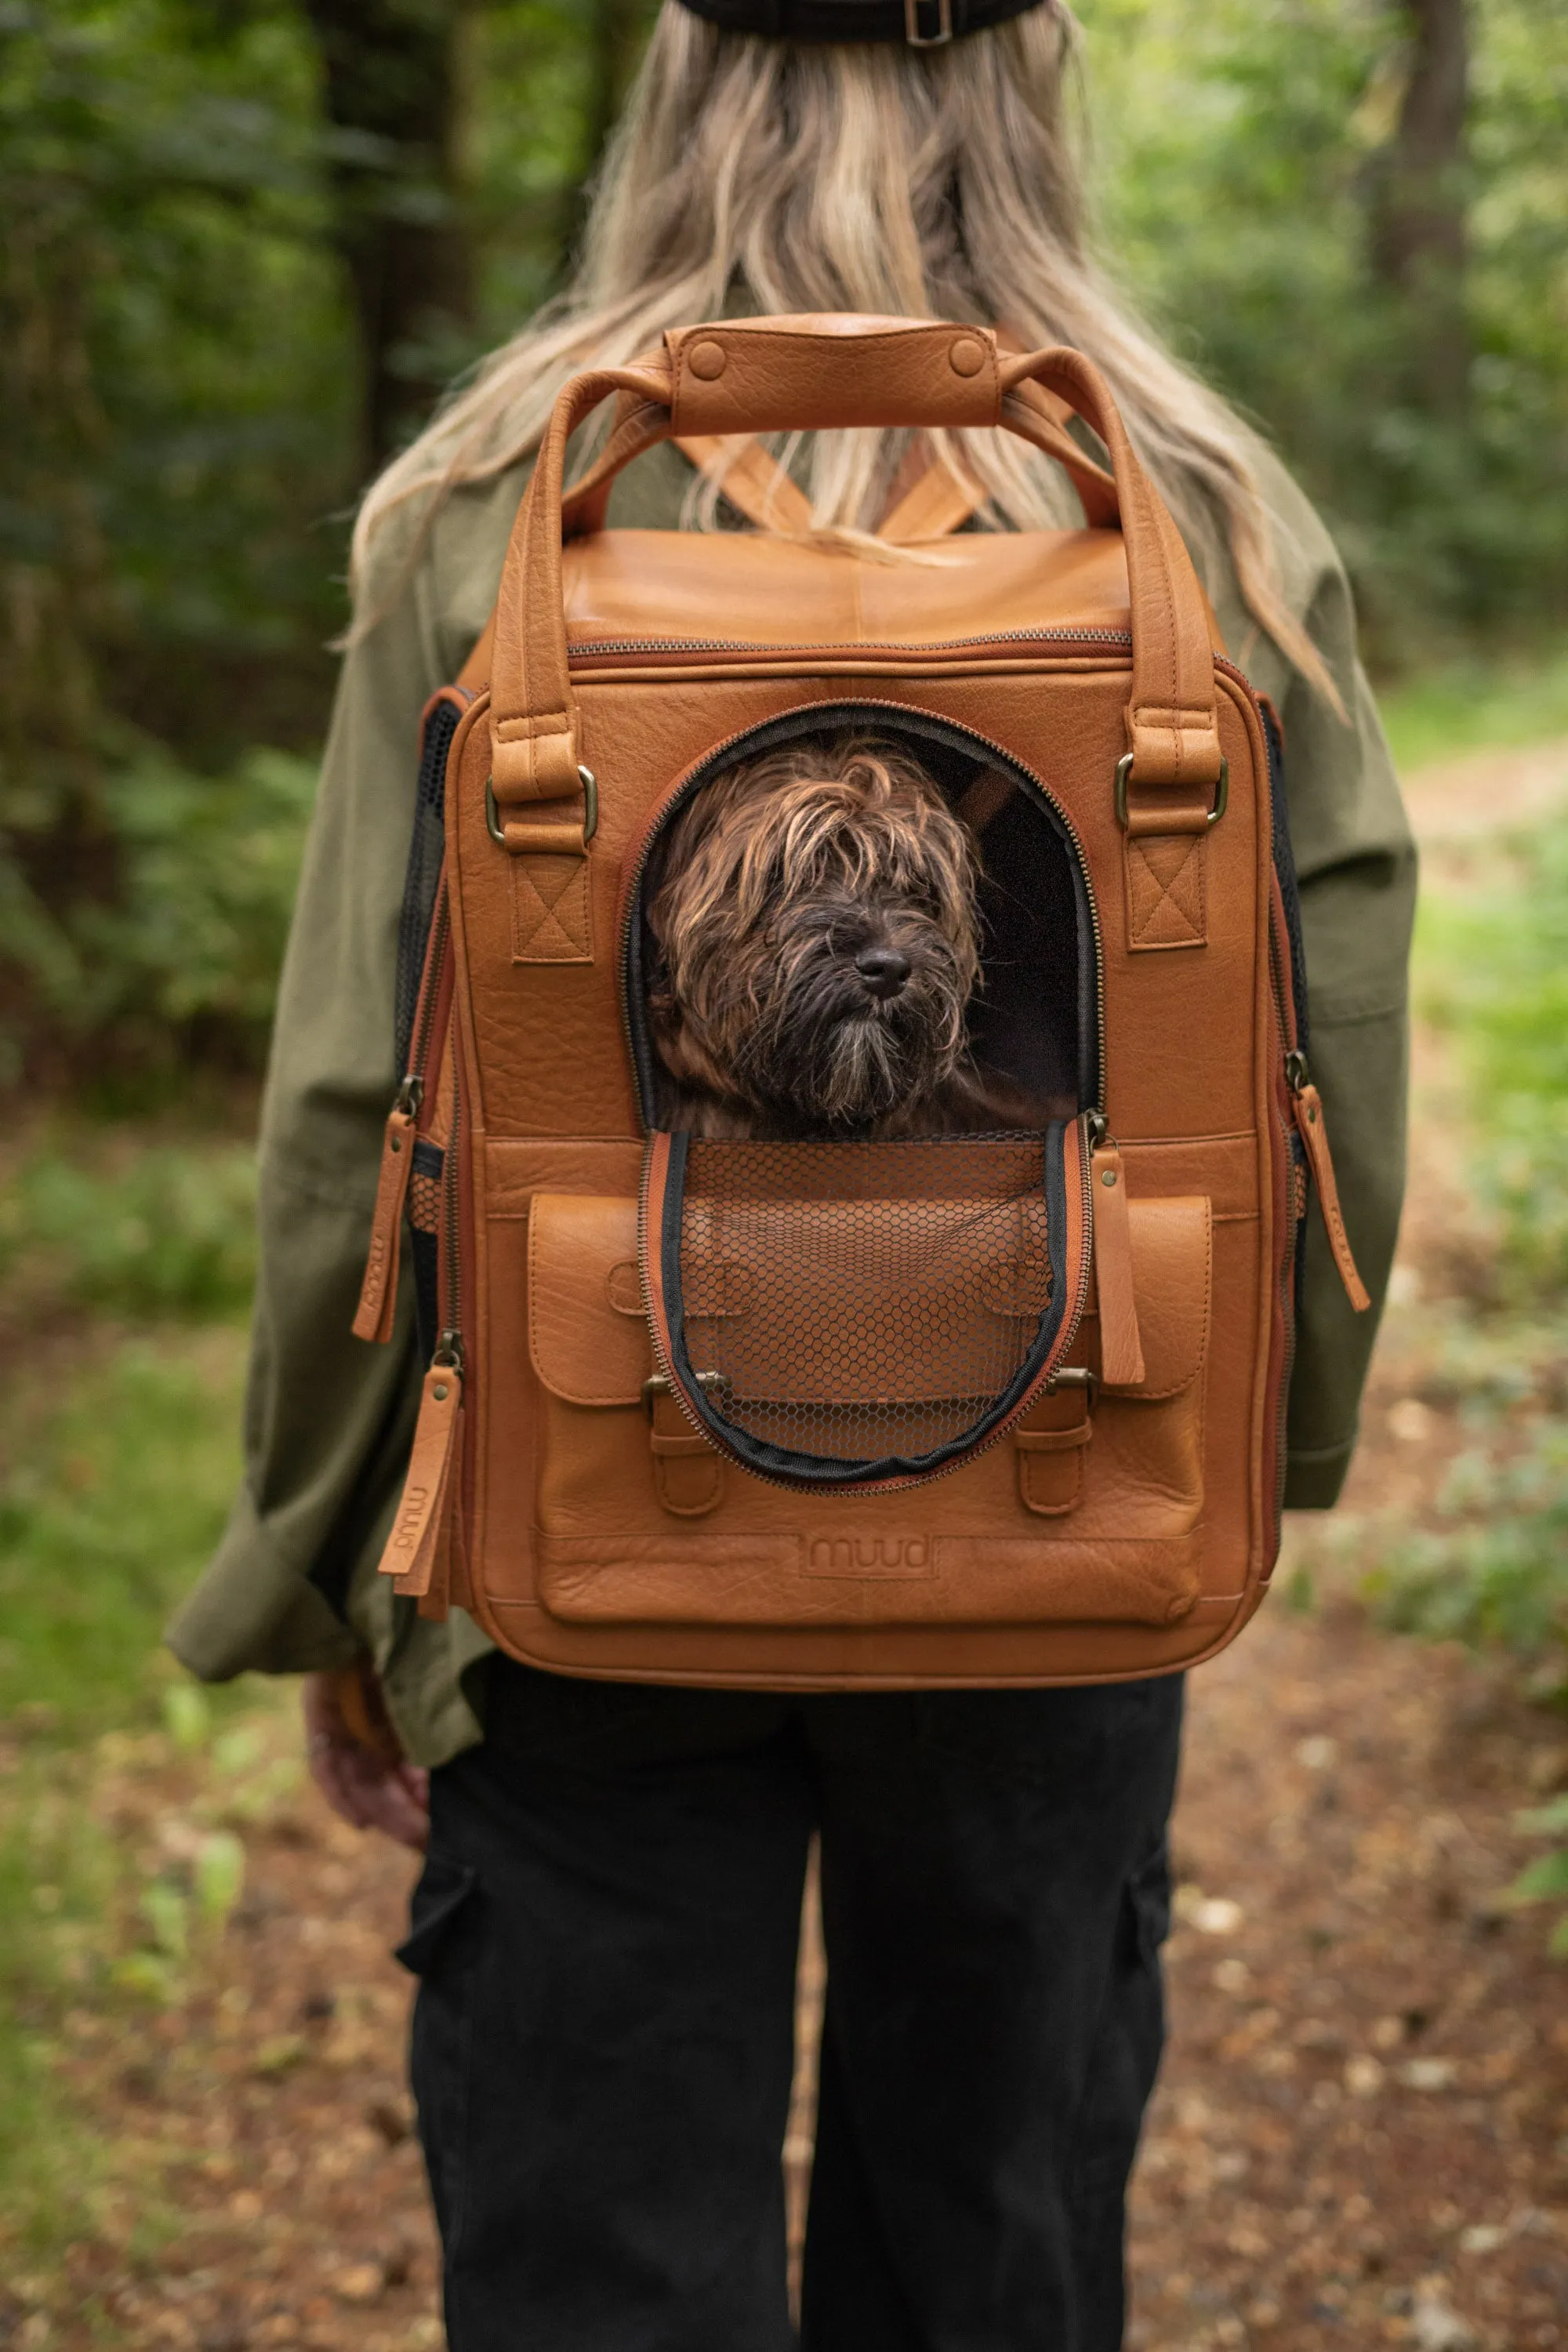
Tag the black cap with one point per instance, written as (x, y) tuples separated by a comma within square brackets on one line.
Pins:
[(923, 23)]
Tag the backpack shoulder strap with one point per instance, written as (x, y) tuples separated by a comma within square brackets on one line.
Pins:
[(756, 484)]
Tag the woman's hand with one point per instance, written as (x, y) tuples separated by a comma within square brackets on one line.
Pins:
[(355, 1760)]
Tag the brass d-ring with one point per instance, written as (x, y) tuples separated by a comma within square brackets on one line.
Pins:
[(590, 783), (1125, 769)]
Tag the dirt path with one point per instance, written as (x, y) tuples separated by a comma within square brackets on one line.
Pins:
[(1360, 2136)]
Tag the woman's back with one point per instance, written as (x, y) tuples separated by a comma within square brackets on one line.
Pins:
[(755, 174)]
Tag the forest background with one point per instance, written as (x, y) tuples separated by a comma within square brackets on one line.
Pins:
[(248, 241), (245, 243)]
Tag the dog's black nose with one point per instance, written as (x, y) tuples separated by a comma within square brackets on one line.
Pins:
[(883, 971)]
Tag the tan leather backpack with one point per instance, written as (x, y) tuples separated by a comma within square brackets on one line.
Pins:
[(835, 1414)]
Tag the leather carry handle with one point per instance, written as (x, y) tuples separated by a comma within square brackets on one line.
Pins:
[(824, 373), (938, 502)]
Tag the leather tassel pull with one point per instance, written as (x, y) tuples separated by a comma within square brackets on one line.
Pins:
[(378, 1292), (418, 1541), (1310, 1125), (1120, 1347)]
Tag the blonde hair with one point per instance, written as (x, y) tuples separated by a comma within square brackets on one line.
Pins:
[(752, 174)]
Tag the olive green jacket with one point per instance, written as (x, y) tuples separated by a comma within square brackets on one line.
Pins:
[(328, 1420)]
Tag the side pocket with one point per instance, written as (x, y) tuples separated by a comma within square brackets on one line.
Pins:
[(439, 1949), (1149, 1906), (438, 1903), (1129, 2041)]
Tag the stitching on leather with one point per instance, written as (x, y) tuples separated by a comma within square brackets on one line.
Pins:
[(550, 924), (1179, 897), (537, 1316)]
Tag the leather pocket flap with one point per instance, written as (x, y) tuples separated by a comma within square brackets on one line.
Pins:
[(586, 1333), (1172, 1250)]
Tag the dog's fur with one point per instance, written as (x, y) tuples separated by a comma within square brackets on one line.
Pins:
[(779, 874)]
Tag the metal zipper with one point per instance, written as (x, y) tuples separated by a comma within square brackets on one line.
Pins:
[(411, 1090), (449, 1345), (601, 646)]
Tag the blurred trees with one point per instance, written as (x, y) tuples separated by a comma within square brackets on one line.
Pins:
[(389, 85), (1375, 264), (247, 240)]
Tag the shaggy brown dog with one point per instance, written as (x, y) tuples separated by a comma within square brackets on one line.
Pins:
[(816, 934)]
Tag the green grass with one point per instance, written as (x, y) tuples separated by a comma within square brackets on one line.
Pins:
[(96, 1217), (117, 1489), (1466, 706), (116, 1493), (1491, 974)]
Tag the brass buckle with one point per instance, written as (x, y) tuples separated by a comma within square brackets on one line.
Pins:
[(590, 784), (1075, 1376), (1125, 769), (912, 33), (712, 1385)]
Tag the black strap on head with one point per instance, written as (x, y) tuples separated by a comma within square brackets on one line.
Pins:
[(921, 23)]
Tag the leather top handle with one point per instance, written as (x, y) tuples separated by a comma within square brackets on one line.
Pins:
[(824, 373)]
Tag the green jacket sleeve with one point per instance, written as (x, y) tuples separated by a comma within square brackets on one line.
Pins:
[(1355, 862), (328, 1421), (328, 1418)]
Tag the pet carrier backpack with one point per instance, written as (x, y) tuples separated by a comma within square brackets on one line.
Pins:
[(832, 1411)]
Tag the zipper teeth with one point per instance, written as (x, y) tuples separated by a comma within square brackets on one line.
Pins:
[(695, 780), (420, 1049), (451, 1335), (1064, 1339), (863, 645)]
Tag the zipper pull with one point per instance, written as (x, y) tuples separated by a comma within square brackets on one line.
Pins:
[(1121, 1347), (378, 1292), (1310, 1126), (418, 1544)]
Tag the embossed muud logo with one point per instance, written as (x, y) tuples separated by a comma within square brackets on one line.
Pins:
[(869, 1555)]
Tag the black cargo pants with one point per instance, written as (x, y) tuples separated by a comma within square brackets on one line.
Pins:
[(606, 1932)]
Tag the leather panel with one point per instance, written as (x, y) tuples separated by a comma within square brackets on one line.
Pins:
[(722, 1581), (583, 1348), (605, 1490), (624, 585)]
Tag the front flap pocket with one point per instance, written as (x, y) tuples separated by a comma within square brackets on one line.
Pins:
[(587, 1335), (1171, 1256), (1119, 1460)]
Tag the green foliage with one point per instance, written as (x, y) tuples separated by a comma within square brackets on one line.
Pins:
[(162, 1230), (180, 958), (1494, 976), (115, 1490), (112, 1502), (1493, 973), (1246, 157), (1461, 707)]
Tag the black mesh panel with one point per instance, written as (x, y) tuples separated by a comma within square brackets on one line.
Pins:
[(426, 849)]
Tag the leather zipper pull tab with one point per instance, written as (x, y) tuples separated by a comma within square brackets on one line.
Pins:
[(378, 1292), (1121, 1347), (418, 1540), (1314, 1136)]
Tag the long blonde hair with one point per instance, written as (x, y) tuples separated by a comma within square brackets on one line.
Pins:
[(752, 174)]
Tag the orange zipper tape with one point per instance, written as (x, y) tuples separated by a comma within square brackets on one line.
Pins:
[(418, 1543), (1121, 1347), (1310, 1126), (378, 1292)]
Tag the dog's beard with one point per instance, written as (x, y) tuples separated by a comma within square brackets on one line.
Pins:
[(785, 1027)]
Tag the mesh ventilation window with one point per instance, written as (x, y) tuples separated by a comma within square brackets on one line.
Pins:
[(846, 1311), (426, 848)]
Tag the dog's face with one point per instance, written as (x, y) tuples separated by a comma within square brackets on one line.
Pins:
[(813, 914)]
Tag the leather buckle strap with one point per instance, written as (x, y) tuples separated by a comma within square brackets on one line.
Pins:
[(1162, 819), (561, 839)]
